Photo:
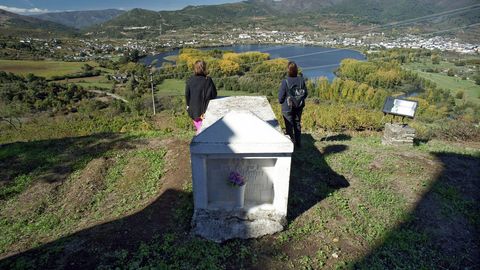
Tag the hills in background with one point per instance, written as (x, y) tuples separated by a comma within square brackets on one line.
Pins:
[(80, 19), (304, 15), (18, 25), (294, 15), (374, 11)]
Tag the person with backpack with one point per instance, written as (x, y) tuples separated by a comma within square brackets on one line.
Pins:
[(292, 95), (199, 90)]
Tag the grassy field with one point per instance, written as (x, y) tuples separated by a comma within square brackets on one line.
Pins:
[(454, 84), (97, 82), (91, 197), (43, 68), (174, 87)]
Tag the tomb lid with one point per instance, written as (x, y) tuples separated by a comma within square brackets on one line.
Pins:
[(258, 105), (240, 132)]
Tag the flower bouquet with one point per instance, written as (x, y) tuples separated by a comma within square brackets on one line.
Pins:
[(236, 180)]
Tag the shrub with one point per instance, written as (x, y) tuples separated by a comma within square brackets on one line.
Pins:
[(451, 130), (91, 105), (183, 122), (460, 94), (337, 117), (476, 78)]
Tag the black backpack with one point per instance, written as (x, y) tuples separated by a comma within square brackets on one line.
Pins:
[(296, 94)]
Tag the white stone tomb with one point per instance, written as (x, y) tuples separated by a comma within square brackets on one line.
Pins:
[(240, 141)]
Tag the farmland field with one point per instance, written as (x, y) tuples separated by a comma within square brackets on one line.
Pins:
[(43, 68), (452, 83), (91, 82)]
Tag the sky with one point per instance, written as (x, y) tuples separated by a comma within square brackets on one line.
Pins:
[(42, 6)]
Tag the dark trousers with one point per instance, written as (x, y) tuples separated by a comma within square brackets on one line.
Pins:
[(292, 125)]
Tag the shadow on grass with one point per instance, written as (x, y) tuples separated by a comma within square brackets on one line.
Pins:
[(442, 231), (418, 141), (311, 178), (111, 244), (338, 137), (158, 235), (51, 160)]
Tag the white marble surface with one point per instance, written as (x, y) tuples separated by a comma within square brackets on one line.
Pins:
[(240, 132), (258, 105)]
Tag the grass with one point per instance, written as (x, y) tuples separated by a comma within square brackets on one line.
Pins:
[(367, 214), (387, 216), (454, 84), (171, 87), (45, 69), (62, 211), (97, 82), (175, 87)]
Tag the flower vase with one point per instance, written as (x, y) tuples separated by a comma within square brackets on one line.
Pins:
[(240, 196)]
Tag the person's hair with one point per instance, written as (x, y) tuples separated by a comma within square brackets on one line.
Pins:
[(200, 68), (292, 69)]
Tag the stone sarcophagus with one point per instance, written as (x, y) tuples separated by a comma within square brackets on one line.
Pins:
[(240, 135)]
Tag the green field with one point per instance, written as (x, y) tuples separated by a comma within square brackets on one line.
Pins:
[(45, 69), (91, 82), (174, 87), (454, 84)]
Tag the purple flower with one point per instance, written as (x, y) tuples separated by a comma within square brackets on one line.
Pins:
[(236, 179)]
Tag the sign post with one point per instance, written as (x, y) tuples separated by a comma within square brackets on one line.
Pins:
[(395, 133)]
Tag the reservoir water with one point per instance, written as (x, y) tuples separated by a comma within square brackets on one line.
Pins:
[(314, 61)]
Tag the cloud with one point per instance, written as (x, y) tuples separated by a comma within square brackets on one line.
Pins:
[(24, 10)]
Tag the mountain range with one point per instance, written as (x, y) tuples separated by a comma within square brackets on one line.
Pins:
[(80, 19), (288, 14), (19, 25), (269, 14)]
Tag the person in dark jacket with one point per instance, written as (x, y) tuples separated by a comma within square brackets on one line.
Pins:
[(292, 115), (199, 90)]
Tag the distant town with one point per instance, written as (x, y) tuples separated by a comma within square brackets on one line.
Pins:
[(88, 49)]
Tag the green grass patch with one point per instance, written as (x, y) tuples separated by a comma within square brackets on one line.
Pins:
[(175, 87), (171, 87), (45, 69), (454, 84), (124, 188), (95, 82), (128, 189), (17, 186), (73, 125)]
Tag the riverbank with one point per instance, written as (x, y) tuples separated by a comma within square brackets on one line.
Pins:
[(316, 61)]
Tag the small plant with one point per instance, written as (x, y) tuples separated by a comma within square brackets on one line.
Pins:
[(460, 94), (236, 179)]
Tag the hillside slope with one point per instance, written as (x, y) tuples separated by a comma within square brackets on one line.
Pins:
[(305, 14), (113, 201), (80, 19), (11, 23)]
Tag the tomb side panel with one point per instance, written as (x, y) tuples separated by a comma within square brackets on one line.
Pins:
[(258, 173)]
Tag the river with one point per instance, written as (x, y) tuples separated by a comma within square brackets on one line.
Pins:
[(314, 61)]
